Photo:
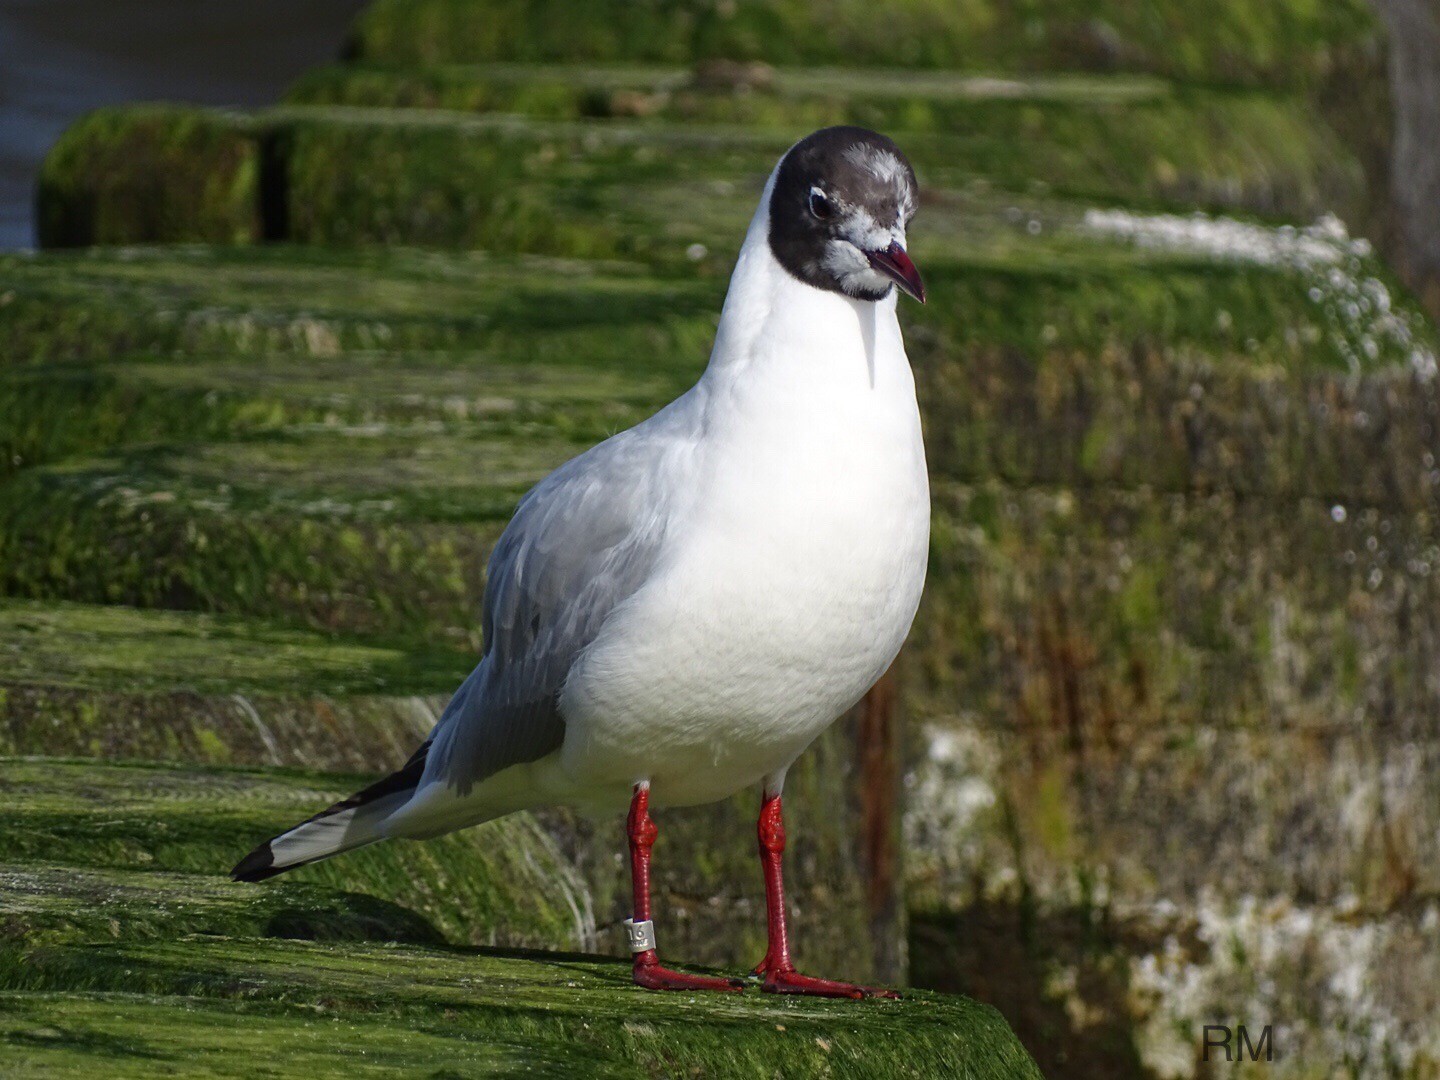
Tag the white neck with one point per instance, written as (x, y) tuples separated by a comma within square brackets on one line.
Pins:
[(771, 317)]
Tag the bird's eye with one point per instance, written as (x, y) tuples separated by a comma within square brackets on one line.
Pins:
[(819, 204)]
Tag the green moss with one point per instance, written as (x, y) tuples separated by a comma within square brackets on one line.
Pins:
[(379, 578), (137, 174), (119, 649), (1284, 42), (46, 904), (1124, 138), (398, 444), (654, 190), (451, 181), (438, 311), (188, 718), (502, 883), (712, 94), (121, 946), (322, 1010), (1174, 376), (405, 493), (1082, 617), (137, 351)]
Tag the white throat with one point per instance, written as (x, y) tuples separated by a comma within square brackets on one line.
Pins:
[(771, 316)]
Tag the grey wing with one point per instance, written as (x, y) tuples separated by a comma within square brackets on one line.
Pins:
[(581, 542)]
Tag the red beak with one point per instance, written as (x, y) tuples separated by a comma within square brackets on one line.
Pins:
[(896, 265)]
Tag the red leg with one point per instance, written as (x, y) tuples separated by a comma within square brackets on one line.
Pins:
[(648, 972), (777, 967)]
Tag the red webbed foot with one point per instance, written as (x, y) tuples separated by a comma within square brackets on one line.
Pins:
[(792, 982), (654, 977)]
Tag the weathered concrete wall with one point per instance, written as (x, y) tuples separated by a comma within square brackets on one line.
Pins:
[(1180, 753)]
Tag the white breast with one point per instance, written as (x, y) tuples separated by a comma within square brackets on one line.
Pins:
[(794, 578)]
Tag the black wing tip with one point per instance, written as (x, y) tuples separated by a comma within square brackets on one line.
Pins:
[(258, 865)]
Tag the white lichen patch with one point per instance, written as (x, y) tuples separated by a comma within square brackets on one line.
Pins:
[(950, 791), (1340, 989), (1365, 326), (1324, 243)]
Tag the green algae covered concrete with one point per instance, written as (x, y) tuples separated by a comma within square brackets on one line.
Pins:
[(224, 455), (122, 946), (1284, 42), (233, 1007), (398, 445), (120, 683), (1138, 139), (45, 904), (653, 187), (200, 182), (504, 883), (706, 877), (119, 649)]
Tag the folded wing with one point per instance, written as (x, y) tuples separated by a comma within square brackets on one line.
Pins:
[(581, 543)]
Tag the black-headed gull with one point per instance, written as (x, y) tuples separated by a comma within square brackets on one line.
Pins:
[(677, 613)]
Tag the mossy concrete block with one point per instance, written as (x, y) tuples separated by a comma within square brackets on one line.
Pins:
[(151, 173), (456, 181), (159, 962), (1289, 41), (130, 650), (656, 189), (44, 904), (380, 578), (1067, 360), (120, 683), (502, 883), (317, 1009), (846, 915), (724, 92), (1111, 138), (381, 315), (173, 721), (1191, 412), (464, 411), (360, 459), (1063, 359), (1190, 291)]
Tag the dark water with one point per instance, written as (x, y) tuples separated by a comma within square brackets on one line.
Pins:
[(60, 58)]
